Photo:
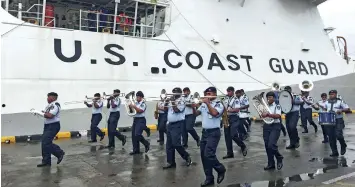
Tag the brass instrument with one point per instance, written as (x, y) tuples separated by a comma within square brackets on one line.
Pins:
[(156, 112), (37, 113), (113, 95), (87, 99), (197, 99), (262, 107), (130, 99), (275, 86), (306, 85)]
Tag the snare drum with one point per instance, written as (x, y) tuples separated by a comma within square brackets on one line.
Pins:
[(326, 118)]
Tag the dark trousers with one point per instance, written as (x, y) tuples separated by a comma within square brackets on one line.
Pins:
[(241, 129), (271, 134), (245, 124), (139, 124), (48, 147), (324, 131), (291, 125), (306, 115), (208, 148), (95, 120), (112, 129), (188, 127), (335, 132), (162, 120), (174, 142), (283, 129), (232, 133)]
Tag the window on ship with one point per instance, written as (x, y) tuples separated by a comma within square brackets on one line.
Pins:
[(139, 18)]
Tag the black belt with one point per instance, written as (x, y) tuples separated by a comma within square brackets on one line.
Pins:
[(211, 130)]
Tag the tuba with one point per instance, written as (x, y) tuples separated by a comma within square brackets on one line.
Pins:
[(306, 86), (275, 86), (129, 100), (261, 107)]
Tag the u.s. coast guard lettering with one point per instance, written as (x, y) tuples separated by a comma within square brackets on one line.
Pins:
[(195, 60)]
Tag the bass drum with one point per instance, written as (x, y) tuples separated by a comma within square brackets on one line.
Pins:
[(285, 100)]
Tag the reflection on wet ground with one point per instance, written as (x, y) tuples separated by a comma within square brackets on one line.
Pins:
[(91, 165)]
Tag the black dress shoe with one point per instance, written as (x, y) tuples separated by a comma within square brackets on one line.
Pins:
[(334, 155), (291, 147), (220, 177), (207, 183), (109, 147), (92, 141), (188, 161), (315, 128), (102, 137), (245, 151), (168, 166), (198, 142), (269, 167), (325, 141), (43, 165), (147, 147), (60, 158), (228, 156), (297, 145), (305, 132), (279, 164), (158, 140), (124, 140)]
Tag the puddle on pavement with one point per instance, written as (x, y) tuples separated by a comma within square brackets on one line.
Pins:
[(331, 164)]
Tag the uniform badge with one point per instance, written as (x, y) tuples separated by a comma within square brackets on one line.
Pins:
[(278, 107)]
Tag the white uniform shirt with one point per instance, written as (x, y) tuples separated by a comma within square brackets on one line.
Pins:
[(275, 109), (208, 121), (298, 101), (141, 105), (97, 110), (231, 102), (310, 100), (337, 105), (244, 101), (117, 102), (188, 110), (161, 104), (177, 116), (53, 108), (322, 103)]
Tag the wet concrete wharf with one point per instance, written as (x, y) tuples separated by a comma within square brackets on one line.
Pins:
[(90, 165)]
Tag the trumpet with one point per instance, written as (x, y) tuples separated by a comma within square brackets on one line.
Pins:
[(197, 99), (164, 95), (87, 99), (37, 113), (113, 95)]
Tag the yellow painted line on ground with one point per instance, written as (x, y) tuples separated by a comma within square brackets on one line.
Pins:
[(63, 135), (344, 184), (8, 139), (152, 127)]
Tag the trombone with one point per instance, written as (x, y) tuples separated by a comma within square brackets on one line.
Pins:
[(87, 99), (197, 99)]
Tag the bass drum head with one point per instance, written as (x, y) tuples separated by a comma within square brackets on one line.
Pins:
[(285, 100)]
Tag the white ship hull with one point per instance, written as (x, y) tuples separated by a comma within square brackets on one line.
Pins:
[(257, 46)]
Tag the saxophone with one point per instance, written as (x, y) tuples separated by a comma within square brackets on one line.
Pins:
[(261, 107), (225, 115)]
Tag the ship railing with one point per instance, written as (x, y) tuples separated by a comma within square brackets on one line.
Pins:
[(28, 15), (155, 2), (95, 24)]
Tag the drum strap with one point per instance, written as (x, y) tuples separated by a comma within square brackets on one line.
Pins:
[(331, 106)]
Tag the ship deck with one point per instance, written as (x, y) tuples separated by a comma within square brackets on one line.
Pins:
[(89, 165)]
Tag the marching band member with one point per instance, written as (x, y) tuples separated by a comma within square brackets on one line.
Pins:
[(247, 98), (292, 119), (176, 117), (139, 124), (271, 133), (335, 132), (321, 107), (113, 104), (190, 119), (232, 106), (306, 112), (96, 118), (51, 128), (243, 113), (227, 129), (211, 111), (162, 116), (277, 93)]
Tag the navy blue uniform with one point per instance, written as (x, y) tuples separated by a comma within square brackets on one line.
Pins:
[(335, 132), (139, 125), (306, 114), (162, 120), (291, 123), (95, 121), (271, 134), (189, 125), (113, 122), (51, 128)]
